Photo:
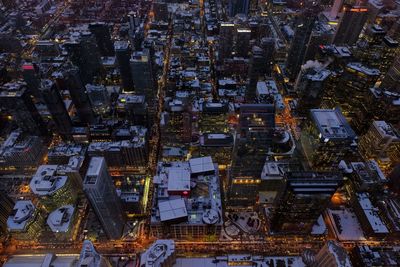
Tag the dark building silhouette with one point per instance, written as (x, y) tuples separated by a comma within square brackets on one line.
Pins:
[(101, 32), (78, 94), (350, 25), (306, 196), (56, 107), (123, 54)]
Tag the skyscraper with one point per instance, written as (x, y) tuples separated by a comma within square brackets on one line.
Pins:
[(123, 54), (100, 191), (257, 70), (31, 77), (16, 100), (306, 196), (238, 7), (142, 74), (299, 43), (243, 42), (78, 95), (56, 107), (350, 25), (101, 32), (254, 136), (84, 53), (225, 44), (391, 81)]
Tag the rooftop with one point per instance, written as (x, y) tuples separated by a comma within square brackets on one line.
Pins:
[(21, 215), (332, 125), (46, 181), (157, 253), (60, 219), (172, 209)]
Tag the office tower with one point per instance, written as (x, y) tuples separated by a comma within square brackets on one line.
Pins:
[(32, 79), (8, 3), (84, 53), (268, 47), (134, 108), (78, 94), (123, 54), (101, 32), (89, 257), (328, 139), (322, 34), (299, 44), (306, 196), (391, 81), (242, 42), (16, 100), (6, 206), (134, 21), (238, 7), (142, 74), (381, 143), (350, 25), (160, 9), (131, 149), (56, 107), (99, 98), (332, 254), (225, 42), (47, 49), (100, 191), (335, 9), (254, 136), (20, 151), (394, 31), (310, 86), (257, 70)]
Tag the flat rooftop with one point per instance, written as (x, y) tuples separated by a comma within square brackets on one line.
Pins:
[(60, 220), (22, 213), (332, 124), (46, 181)]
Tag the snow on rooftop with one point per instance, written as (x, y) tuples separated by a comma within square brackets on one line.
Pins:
[(332, 124), (172, 209), (60, 219), (371, 213), (178, 179), (21, 214), (201, 165), (46, 181), (345, 225)]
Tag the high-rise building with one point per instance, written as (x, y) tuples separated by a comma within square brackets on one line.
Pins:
[(306, 196), (90, 257), (328, 139), (16, 100), (242, 42), (381, 143), (31, 77), (6, 206), (56, 107), (78, 94), (225, 42), (160, 9), (99, 98), (350, 25), (254, 136), (20, 151), (332, 254), (123, 54), (100, 191), (238, 7), (299, 43), (391, 81), (101, 32), (84, 53), (257, 70), (142, 74)]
